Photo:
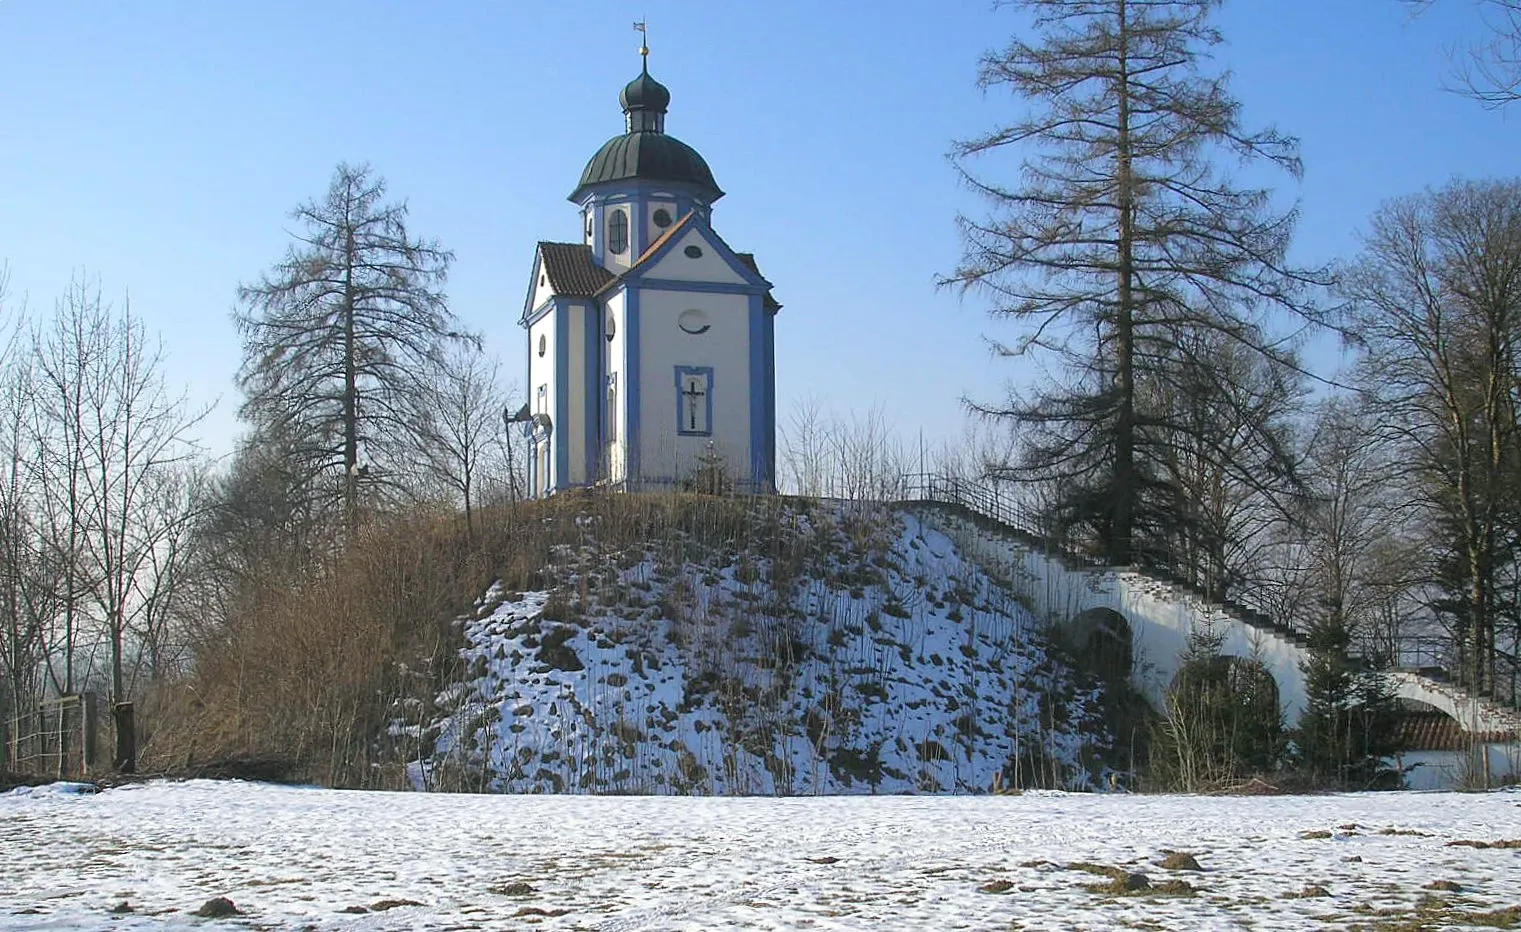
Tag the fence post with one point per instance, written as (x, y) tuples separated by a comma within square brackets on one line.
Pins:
[(61, 744), (90, 726), (126, 738)]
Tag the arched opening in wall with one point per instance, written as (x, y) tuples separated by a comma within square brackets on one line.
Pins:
[(1221, 723), (1420, 726), (1240, 683), (1101, 641)]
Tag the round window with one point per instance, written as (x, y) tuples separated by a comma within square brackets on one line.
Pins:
[(694, 322), (611, 328), (662, 217), (617, 232), (543, 345), (693, 252)]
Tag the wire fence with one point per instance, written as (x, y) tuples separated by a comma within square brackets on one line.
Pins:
[(59, 738)]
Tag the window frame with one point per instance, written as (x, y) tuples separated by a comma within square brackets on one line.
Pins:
[(706, 374), (617, 231)]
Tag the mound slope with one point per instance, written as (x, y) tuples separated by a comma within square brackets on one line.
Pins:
[(842, 651)]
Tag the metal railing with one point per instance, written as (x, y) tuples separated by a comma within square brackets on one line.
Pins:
[(1430, 656), (982, 497)]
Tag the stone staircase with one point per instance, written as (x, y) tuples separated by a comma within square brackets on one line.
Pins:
[(1153, 600)]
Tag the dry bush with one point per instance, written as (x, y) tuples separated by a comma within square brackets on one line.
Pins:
[(305, 675)]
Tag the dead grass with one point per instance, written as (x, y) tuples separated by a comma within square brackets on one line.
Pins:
[(1122, 882), (317, 648), (1180, 861), (1312, 891), (1432, 914)]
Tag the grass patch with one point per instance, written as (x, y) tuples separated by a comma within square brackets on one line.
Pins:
[(1180, 861), (1313, 891)]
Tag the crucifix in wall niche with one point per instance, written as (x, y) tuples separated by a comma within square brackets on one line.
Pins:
[(694, 400)]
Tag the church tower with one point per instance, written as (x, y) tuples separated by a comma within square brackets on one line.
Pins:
[(650, 342)]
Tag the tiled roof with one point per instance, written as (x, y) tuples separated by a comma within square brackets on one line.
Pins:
[(748, 258), (1436, 731), (572, 271), (663, 238)]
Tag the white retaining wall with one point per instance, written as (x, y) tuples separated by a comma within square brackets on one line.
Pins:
[(1162, 616)]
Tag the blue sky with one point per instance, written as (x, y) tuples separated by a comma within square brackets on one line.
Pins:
[(161, 144)]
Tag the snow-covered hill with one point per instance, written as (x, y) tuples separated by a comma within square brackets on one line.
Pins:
[(842, 651)]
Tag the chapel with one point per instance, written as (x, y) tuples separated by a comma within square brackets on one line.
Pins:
[(651, 351)]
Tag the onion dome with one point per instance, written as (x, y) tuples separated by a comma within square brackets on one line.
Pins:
[(645, 152), (644, 95)]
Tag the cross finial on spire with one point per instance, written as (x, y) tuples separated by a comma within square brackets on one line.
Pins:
[(641, 27)]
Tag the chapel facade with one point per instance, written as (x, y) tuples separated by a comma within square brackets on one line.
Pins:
[(651, 351)]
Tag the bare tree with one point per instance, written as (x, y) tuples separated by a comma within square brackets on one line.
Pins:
[(462, 440), (68, 354), (1436, 300), (1120, 236), (1489, 70), (804, 448), (1347, 554), (110, 431), (23, 639), (1220, 439), (341, 338)]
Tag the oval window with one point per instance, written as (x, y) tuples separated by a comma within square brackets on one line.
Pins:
[(694, 322), (611, 328), (662, 217), (543, 344), (693, 252), (617, 232)]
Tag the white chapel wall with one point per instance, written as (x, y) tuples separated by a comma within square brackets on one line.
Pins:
[(542, 291), (652, 231), (676, 265), (541, 369), (726, 348), (615, 310), (575, 431)]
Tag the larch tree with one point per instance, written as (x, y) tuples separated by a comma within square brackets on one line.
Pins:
[(341, 339), (1119, 237)]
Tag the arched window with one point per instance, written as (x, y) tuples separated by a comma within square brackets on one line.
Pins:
[(617, 232)]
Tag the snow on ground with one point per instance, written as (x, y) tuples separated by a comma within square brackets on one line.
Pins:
[(879, 662), (297, 858)]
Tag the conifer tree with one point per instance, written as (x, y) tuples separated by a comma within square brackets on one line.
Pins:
[(340, 339), (1119, 241), (1347, 733)]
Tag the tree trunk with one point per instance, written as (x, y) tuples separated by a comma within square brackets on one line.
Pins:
[(1124, 442), (350, 395)]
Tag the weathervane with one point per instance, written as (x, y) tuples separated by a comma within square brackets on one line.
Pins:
[(641, 27)]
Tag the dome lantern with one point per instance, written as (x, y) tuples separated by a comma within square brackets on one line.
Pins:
[(644, 102)]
